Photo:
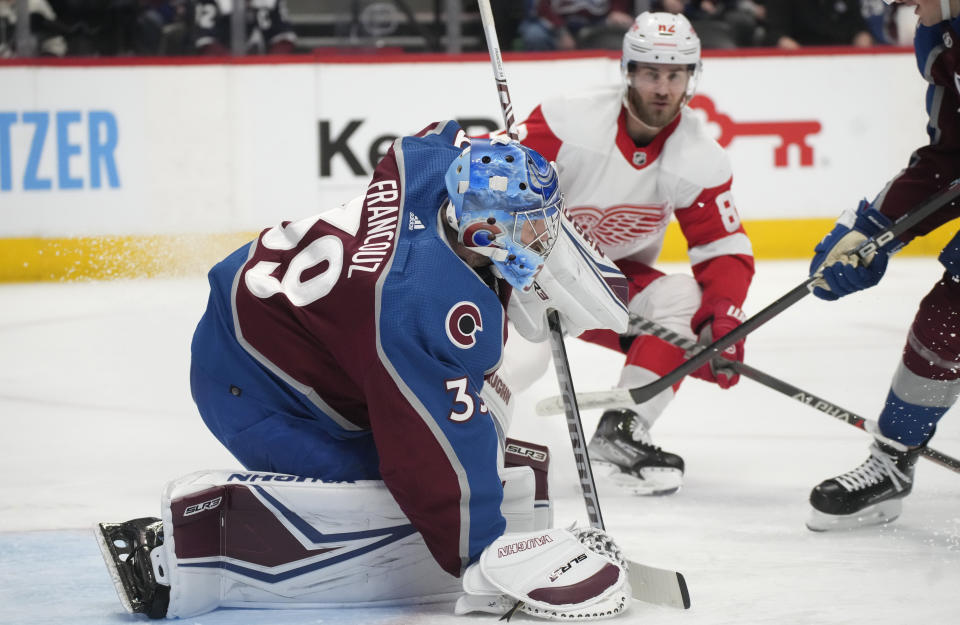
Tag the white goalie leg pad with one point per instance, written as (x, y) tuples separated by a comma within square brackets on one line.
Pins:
[(517, 507), (537, 457), (670, 301), (560, 574), (267, 540), (523, 364)]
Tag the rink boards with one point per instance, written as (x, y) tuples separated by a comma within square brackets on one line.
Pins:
[(133, 167)]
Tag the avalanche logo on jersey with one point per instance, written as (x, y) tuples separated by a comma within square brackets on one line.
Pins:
[(463, 322), (618, 225)]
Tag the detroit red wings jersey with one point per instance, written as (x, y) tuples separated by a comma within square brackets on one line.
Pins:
[(625, 195)]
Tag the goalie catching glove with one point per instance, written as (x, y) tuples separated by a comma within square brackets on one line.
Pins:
[(558, 574), (836, 261)]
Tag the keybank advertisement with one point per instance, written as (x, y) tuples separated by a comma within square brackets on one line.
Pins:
[(216, 148)]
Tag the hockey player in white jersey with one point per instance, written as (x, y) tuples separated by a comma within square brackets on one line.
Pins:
[(632, 157)]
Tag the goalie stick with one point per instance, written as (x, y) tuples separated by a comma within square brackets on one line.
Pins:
[(641, 394), (639, 325), (561, 363), (647, 583)]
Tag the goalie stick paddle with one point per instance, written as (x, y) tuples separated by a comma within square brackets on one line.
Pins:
[(647, 583), (659, 586), (641, 394), (645, 326)]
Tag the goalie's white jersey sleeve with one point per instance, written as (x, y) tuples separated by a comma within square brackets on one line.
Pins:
[(625, 195)]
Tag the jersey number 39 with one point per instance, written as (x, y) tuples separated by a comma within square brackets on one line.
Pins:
[(327, 248)]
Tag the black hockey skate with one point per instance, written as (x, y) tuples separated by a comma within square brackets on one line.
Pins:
[(126, 549), (621, 450), (868, 495)]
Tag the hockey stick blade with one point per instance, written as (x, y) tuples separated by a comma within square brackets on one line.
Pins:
[(657, 586), (586, 401), (626, 397)]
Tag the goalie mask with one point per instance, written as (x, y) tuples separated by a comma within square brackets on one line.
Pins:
[(662, 38), (505, 204)]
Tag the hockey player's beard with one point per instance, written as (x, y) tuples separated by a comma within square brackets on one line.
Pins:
[(652, 119)]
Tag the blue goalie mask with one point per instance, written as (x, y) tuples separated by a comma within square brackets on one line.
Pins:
[(505, 203)]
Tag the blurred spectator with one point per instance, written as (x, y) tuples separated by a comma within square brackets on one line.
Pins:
[(722, 23), (903, 24), (163, 28), (892, 24), (46, 32), (267, 28), (877, 13), (795, 23), (507, 16), (98, 27), (569, 24)]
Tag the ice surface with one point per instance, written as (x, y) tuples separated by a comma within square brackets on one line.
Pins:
[(97, 417)]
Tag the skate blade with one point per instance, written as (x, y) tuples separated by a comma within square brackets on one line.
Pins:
[(110, 556), (877, 514), (654, 482)]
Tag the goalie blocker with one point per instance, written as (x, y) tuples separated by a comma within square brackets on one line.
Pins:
[(268, 540)]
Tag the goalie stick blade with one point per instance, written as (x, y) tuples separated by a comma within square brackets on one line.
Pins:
[(586, 401), (658, 586)]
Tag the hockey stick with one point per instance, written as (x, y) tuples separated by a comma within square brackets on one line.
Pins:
[(835, 411), (647, 583), (644, 326), (561, 364), (641, 394)]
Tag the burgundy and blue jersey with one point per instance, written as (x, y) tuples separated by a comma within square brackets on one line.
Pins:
[(365, 320), (933, 166)]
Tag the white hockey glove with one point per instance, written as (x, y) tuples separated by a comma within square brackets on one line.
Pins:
[(560, 574), (579, 282)]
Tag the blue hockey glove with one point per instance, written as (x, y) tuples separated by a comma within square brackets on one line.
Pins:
[(842, 271)]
